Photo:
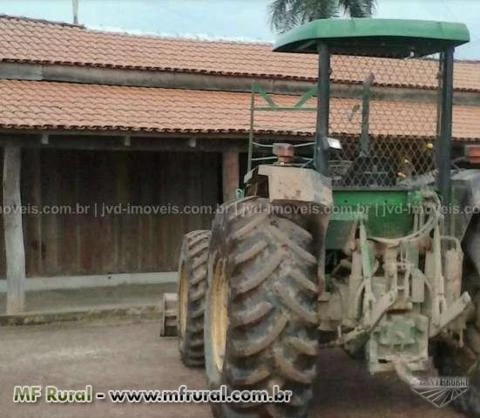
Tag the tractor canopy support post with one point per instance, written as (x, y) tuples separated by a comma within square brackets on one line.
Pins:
[(445, 140), (323, 109)]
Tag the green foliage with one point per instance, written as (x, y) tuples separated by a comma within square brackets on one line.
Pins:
[(286, 14)]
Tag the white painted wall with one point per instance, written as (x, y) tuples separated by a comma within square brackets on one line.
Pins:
[(79, 282)]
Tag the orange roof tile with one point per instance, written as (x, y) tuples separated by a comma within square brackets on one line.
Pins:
[(65, 106), (33, 41)]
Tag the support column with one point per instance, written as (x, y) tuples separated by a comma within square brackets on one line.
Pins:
[(12, 221), (230, 175), (444, 147), (323, 109)]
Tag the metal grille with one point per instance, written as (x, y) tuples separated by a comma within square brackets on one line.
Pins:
[(383, 111)]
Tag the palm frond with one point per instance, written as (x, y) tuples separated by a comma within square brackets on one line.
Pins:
[(358, 8), (285, 14), (370, 7), (321, 9), (279, 14)]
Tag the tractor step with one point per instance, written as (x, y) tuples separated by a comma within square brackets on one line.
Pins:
[(168, 324)]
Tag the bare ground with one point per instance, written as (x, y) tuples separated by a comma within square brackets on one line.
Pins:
[(131, 355)]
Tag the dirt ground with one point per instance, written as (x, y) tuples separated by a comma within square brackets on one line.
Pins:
[(132, 356)]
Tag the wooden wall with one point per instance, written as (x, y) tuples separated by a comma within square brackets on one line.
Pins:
[(89, 243)]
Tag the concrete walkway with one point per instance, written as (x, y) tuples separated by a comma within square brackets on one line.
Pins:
[(76, 304)]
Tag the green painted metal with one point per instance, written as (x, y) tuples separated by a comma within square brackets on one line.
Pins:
[(386, 213), (375, 37), (309, 94), (267, 104), (271, 106), (256, 89)]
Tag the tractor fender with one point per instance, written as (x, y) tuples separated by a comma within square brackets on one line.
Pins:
[(290, 185)]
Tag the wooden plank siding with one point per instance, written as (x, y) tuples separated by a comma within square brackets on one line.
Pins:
[(76, 244)]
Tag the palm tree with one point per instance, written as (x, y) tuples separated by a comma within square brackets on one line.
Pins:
[(285, 14)]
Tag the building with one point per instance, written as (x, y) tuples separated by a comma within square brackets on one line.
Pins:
[(118, 127)]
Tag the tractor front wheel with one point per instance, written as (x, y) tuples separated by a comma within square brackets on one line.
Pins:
[(192, 287)]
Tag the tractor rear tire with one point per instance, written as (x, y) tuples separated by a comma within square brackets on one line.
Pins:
[(464, 362), (192, 287), (261, 311)]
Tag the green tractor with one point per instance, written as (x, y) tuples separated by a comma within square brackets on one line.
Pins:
[(382, 263)]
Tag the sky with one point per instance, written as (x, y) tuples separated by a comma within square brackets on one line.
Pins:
[(245, 20)]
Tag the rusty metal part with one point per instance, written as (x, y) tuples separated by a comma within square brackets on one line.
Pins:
[(473, 154), (168, 322), (291, 184), (284, 152)]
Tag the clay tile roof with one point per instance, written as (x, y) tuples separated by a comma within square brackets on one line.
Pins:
[(64, 106), (33, 41)]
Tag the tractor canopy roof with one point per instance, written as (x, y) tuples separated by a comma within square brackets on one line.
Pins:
[(375, 37)]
